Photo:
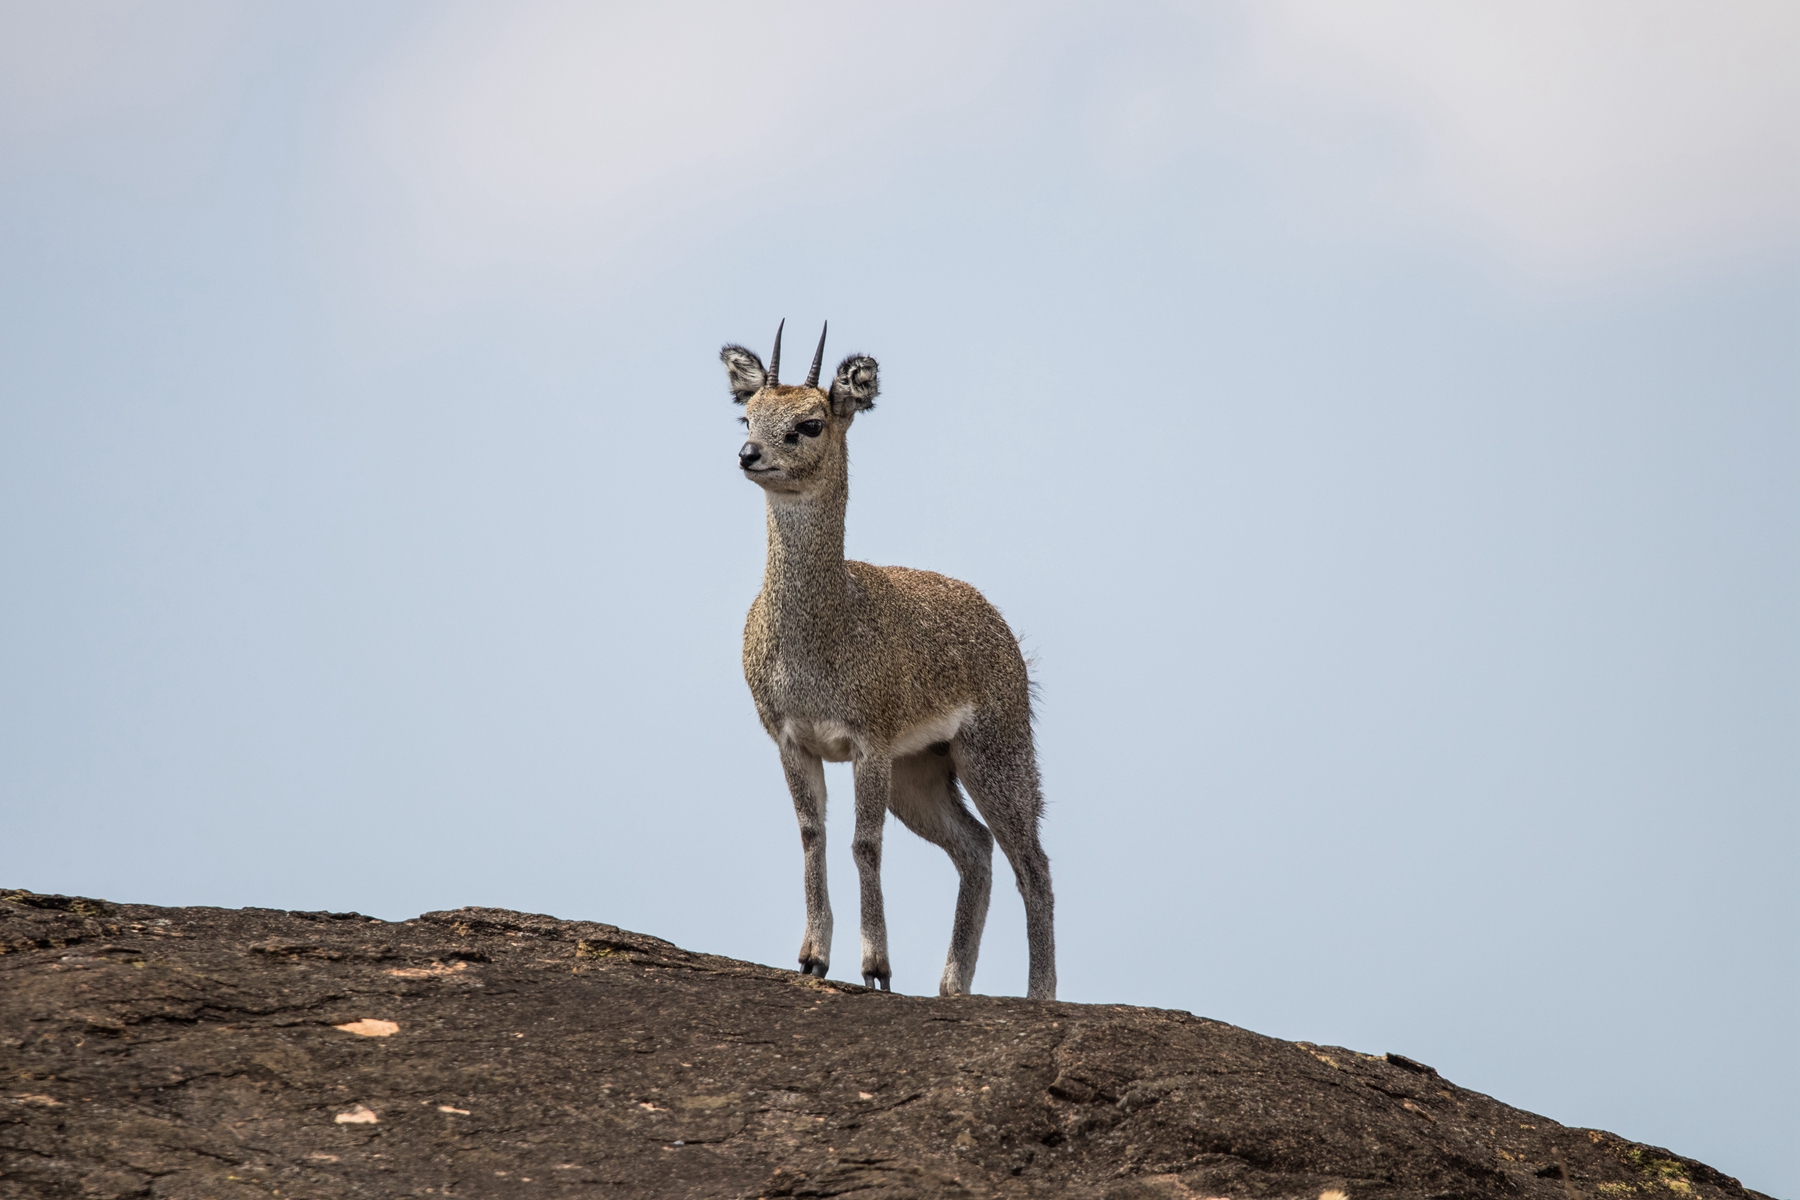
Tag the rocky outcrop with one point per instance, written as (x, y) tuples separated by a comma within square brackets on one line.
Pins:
[(196, 1052)]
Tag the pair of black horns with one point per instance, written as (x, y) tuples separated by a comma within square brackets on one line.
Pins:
[(812, 376)]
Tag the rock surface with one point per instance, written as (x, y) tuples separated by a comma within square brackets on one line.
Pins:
[(197, 1052)]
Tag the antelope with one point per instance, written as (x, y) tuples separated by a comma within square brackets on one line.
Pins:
[(910, 676)]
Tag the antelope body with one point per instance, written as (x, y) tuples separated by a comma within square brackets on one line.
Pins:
[(911, 676)]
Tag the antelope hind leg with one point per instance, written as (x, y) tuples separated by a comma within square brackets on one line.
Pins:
[(925, 798), (998, 765)]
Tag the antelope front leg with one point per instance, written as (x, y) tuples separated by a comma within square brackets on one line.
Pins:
[(806, 781), (874, 779)]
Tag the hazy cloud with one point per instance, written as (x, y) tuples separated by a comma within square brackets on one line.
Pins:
[(547, 136), (80, 69), (1584, 138), (1575, 140)]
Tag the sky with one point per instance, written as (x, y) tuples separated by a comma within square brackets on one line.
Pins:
[(1378, 421)]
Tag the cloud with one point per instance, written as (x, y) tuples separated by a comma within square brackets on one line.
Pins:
[(1584, 138), (550, 135), (1571, 141), (69, 70)]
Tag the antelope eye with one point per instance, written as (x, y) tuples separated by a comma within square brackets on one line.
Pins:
[(811, 428)]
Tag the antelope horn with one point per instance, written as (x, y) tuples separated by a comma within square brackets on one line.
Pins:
[(774, 379), (812, 376)]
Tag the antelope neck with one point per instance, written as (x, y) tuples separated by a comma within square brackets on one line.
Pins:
[(805, 575)]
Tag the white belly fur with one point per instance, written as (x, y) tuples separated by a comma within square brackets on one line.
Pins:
[(835, 742)]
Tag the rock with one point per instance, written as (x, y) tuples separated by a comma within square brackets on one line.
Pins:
[(207, 1052)]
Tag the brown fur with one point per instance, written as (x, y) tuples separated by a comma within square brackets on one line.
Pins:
[(911, 676)]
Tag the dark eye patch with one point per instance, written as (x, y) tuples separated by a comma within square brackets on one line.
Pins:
[(811, 428)]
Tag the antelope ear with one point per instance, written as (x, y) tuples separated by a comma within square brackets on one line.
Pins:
[(743, 371), (855, 386)]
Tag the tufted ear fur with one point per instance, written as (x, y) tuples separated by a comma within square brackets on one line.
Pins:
[(744, 371), (855, 386)]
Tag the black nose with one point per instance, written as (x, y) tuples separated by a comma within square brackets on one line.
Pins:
[(748, 454)]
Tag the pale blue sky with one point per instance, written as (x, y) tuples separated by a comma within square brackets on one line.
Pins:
[(1379, 419)]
